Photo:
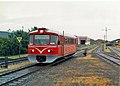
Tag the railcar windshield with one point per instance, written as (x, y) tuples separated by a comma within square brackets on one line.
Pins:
[(45, 39), (53, 39), (41, 39)]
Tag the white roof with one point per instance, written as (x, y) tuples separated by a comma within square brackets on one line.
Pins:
[(57, 32), (61, 33)]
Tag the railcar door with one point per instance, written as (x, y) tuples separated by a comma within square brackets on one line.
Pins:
[(61, 46)]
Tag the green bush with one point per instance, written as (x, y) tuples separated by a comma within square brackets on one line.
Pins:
[(10, 46), (7, 46)]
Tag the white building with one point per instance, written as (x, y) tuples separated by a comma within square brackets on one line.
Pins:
[(83, 40)]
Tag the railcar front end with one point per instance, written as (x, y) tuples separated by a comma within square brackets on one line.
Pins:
[(42, 47)]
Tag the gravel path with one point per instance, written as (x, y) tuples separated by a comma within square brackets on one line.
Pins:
[(80, 71)]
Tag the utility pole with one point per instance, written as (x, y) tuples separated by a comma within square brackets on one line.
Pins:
[(63, 43), (106, 30), (22, 27), (104, 39), (106, 33)]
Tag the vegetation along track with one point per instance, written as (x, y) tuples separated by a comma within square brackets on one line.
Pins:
[(19, 73), (99, 52)]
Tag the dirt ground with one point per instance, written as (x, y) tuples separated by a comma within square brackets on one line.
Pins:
[(87, 71), (15, 66), (79, 71)]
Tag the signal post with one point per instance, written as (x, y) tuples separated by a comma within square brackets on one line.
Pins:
[(19, 40)]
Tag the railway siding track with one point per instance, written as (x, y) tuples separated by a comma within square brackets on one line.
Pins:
[(109, 57), (80, 71), (13, 61), (9, 76), (112, 55), (115, 51), (22, 72)]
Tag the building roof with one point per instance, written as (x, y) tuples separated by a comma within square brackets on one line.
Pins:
[(4, 34)]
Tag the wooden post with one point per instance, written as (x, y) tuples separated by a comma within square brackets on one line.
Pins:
[(6, 62)]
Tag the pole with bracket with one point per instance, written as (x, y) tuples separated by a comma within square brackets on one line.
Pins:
[(19, 40), (63, 43)]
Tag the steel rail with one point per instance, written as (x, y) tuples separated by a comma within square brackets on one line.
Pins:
[(115, 51), (13, 61), (12, 76), (103, 55)]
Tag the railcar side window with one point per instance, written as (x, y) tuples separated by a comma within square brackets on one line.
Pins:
[(53, 39), (31, 40), (41, 39)]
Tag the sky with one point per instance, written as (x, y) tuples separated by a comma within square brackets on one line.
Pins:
[(82, 18)]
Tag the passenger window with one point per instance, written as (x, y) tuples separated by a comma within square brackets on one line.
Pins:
[(53, 39)]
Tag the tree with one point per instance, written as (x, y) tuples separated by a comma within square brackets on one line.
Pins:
[(10, 46), (34, 28), (24, 41)]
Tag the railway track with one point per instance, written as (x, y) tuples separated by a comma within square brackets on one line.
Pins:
[(99, 52), (115, 51), (9, 77), (14, 74), (13, 61)]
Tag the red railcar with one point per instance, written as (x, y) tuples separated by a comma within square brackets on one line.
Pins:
[(46, 46)]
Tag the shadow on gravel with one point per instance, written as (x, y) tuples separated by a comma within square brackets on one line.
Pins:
[(42, 64)]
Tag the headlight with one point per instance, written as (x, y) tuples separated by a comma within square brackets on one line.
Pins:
[(41, 31), (49, 51), (32, 50)]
